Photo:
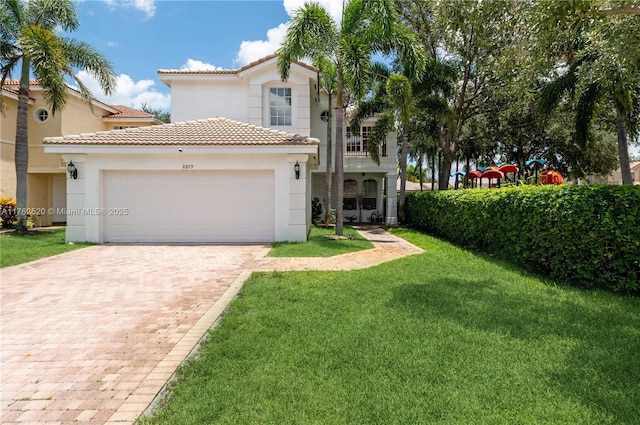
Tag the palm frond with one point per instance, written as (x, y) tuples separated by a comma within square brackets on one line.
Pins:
[(585, 111), (45, 51), (380, 71), (552, 93), (411, 54), (355, 54), (328, 74), (51, 14), (82, 56), (12, 12), (311, 33), (399, 90), (383, 126)]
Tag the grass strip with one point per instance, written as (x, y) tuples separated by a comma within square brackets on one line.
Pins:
[(36, 244), (445, 337), (320, 244)]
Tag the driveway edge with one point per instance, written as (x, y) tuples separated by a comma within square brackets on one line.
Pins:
[(167, 370)]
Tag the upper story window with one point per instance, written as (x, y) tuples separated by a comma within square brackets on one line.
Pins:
[(41, 115), (122, 127), (280, 105), (357, 145)]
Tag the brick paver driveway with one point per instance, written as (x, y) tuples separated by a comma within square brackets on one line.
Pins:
[(91, 336)]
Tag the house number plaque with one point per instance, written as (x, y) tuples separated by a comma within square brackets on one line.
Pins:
[(187, 166)]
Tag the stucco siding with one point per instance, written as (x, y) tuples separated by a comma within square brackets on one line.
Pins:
[(208, 99)]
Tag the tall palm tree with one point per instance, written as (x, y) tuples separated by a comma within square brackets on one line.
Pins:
[(623, 95), (367, 27), (392, 100), (327, 82), (30, 42)]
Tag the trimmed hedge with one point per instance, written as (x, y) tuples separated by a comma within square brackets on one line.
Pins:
[(582, 235)]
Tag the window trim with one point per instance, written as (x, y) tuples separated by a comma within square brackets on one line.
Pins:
[(37, 115), (287, 94)]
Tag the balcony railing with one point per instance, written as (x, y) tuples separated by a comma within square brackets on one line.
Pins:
[(356, 146)]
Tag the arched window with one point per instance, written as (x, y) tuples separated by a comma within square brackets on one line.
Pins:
[(350, 198), (370, 189)]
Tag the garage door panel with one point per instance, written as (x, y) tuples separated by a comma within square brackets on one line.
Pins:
[(207, 206)]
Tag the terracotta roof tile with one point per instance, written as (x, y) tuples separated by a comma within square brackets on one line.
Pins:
[(229, 71), (126, 112), (12, 86), (209, 132)]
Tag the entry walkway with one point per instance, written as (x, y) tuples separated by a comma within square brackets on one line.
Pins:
[(91, 336)]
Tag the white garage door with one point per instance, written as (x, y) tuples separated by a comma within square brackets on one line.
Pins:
[(189, 206)]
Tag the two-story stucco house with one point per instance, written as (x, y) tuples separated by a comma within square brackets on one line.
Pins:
[(241, 162), (46, 180), (255, 94)]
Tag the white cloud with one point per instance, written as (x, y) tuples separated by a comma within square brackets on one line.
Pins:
[(128, 92), (334, 7), (251, 50), (196, 65), (112, 43), (146, 6)]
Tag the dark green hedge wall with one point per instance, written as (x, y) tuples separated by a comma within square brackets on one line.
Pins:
[(583, 235)]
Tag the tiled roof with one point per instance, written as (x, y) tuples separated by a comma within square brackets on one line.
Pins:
[(209, 132), (126, 112), (229, 71), (12, 86)]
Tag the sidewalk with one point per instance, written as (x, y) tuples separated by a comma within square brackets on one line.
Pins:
[(387, 247)]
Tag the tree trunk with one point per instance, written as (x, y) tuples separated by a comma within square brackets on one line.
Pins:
[(445, 169), (433, 170), (403, 175), (339, 165), (22, 149), (420, 161), (623, 150), (327, 191)]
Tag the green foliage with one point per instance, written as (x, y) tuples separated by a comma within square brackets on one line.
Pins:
[(36, 244), (160, 115), (444, 337), (584, 235), (321, 244)]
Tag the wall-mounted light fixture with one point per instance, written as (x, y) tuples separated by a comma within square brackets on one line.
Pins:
[(296, 168), (73, 172)]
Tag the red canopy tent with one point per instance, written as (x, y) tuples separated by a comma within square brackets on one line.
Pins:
[(492, 174), (474, 175), (551, 177), (510, 168)]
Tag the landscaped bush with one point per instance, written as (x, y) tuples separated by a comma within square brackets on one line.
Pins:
[(8, 212), (9, 215), (583, 235)]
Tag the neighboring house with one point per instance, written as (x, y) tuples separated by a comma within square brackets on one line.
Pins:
[(47, 176), (616, 176), (255, 94)]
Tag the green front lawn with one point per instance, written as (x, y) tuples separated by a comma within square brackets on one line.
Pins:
[(319, 244), (34, 245), (445, 337)]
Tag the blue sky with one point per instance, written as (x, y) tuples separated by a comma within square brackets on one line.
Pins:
[(141, 36)]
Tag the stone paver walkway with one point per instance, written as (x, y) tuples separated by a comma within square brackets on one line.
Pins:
[(92, 336)]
